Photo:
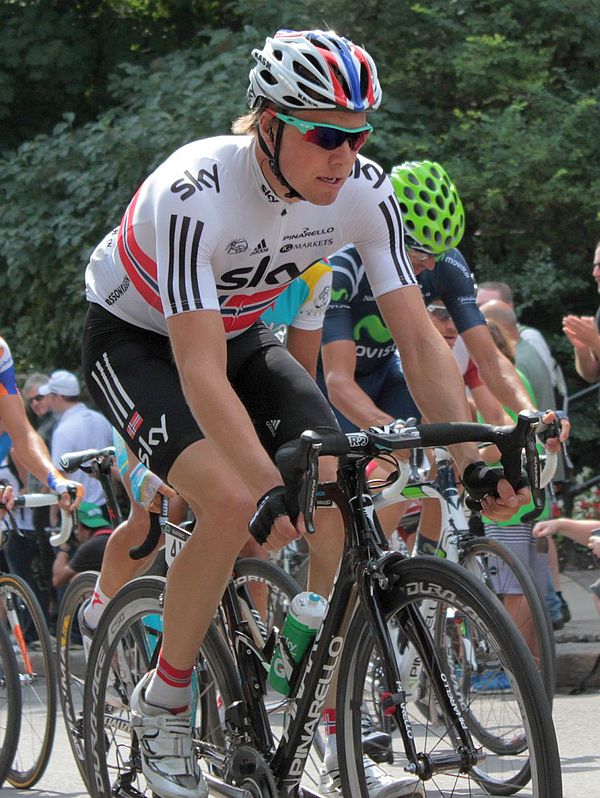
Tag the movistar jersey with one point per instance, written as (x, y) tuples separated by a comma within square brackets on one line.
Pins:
[(8, 382), (303, 303), (353, 313), (205, 231)]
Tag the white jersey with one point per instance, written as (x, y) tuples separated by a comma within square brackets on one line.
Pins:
[(205, 231)]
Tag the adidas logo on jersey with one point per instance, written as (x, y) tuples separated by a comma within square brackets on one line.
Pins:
[(272, 426), (260, 248)]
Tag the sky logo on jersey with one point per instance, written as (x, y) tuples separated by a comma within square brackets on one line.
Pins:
[(203, 180)]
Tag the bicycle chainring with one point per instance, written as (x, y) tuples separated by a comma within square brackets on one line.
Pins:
[(246, 769)]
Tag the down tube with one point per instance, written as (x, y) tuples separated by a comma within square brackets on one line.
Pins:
[(305, 711)]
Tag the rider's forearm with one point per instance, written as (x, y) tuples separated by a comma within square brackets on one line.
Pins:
[(437, 387), (503, 381), (349, 398)]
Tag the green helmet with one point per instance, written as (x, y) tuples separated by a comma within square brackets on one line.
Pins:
[(432, 212)]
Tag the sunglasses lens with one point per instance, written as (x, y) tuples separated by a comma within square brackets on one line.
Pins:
[(330, 139)]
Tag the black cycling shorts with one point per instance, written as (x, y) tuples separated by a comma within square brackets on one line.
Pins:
[(131, 375)]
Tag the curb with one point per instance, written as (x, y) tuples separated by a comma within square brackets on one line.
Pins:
[(574, 660)]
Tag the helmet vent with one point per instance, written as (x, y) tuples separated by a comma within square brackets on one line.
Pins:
[(268, 77), (301, 70)]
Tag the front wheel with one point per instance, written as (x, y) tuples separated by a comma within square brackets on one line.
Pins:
[(10, 703), (37, 675), (469, 634), (71, 663), (124, 648)]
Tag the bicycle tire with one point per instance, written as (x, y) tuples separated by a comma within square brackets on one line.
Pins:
[(10, 703), (37, 676), (70, 664), (457, 596), (539, 628), (129, 624)]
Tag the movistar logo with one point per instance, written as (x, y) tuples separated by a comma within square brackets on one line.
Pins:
[(336, 295), (375, 329)]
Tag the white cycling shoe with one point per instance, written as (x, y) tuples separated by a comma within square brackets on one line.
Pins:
[(169, 764), (379, 783)]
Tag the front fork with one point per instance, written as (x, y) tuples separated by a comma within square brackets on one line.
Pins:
[(373, 582)]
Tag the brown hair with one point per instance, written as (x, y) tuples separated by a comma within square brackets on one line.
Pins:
[(505, 291), (246, 124)]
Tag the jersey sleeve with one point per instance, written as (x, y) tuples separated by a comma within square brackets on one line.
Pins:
[(187, 231), (8, 382), (375, 228), (311, 313), (337, 325), (457, 288)]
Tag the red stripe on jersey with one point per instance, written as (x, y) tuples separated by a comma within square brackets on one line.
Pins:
[(249, 308), (138, 264)]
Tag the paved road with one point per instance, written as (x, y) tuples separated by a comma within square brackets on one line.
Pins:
[(576, 719)]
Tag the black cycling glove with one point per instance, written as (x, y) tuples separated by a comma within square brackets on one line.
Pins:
[(270, 507), (480, 480)]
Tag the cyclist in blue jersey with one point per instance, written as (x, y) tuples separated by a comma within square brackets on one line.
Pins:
[(360, 369), (297, 315), (29, 447)]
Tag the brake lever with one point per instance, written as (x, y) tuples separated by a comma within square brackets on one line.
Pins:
[(308, 491)]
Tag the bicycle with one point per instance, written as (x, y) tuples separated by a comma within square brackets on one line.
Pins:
[(10, 704), (26, 624), (375, 590), (493, 563), (70, 663)]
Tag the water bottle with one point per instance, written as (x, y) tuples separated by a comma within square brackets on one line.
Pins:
[(299, 630)]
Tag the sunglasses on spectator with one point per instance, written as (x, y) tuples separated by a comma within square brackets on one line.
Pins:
[(440, 312), (328, 137), (37, 398)]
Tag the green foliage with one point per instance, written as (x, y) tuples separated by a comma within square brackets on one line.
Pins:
[(505, 96)]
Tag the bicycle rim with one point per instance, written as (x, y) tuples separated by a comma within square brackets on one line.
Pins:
[(497, 568), (10, 703), (473, 637), (71, 663), (37, 677), (124, 646)]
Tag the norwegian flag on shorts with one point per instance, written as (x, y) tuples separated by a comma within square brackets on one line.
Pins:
[(134, 424)]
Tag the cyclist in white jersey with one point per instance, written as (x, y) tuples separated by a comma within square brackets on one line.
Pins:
[(202, 392)]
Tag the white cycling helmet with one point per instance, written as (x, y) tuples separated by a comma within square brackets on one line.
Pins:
[(314, 70)]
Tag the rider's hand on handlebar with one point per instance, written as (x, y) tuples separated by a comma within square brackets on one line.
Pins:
[(553, 444), (499, 500), (504, 506), (70, 493), (6, 499), (284, 532)]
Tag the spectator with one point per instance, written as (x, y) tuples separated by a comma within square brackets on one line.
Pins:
[(77, 428), (88, 551), (502, 321), (40, 407), (487, 291), (584, 333), (527, 358), (586, 532)]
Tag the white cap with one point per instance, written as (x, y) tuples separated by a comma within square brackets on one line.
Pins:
[(61, 382)]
